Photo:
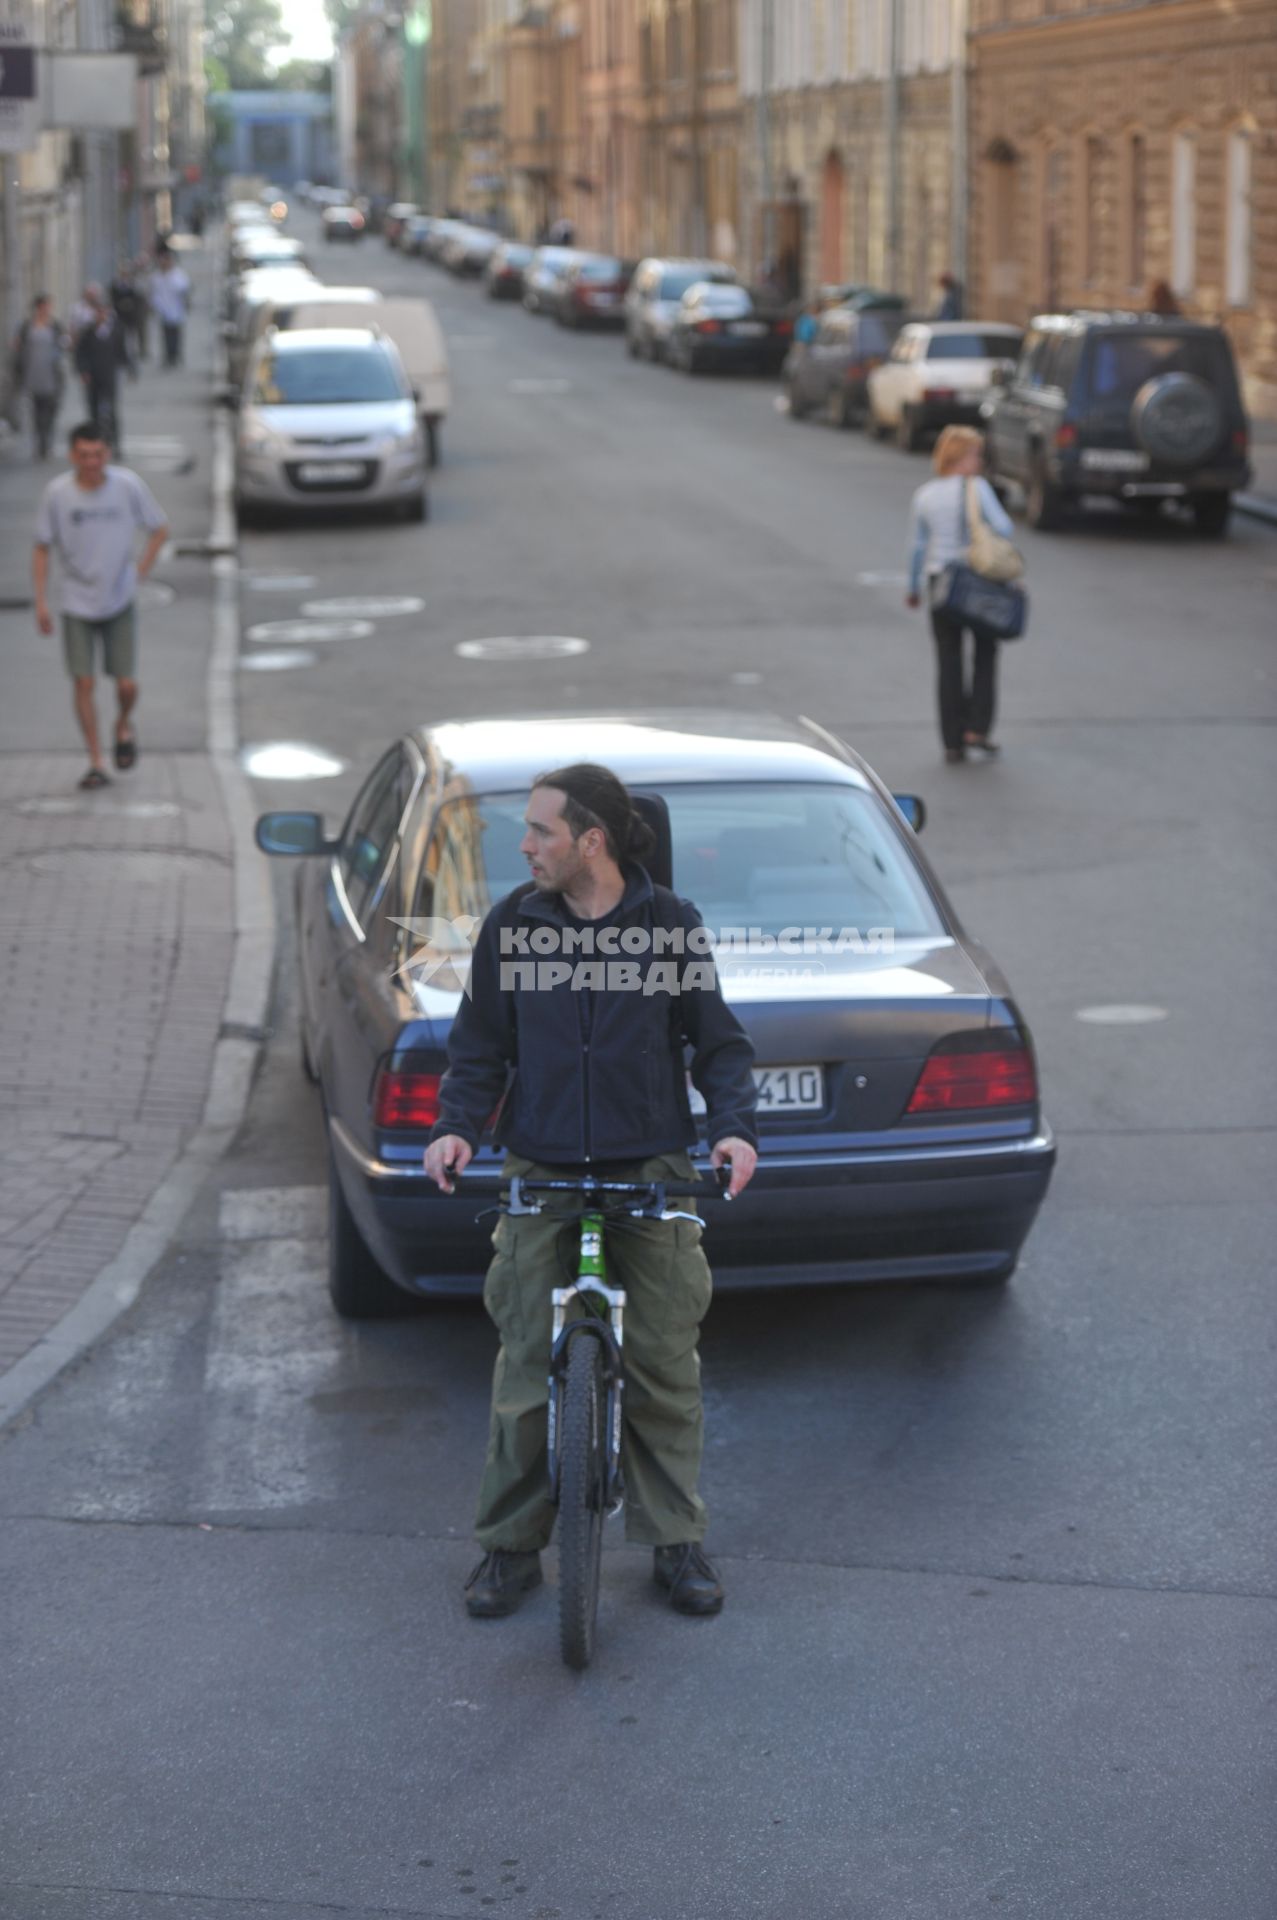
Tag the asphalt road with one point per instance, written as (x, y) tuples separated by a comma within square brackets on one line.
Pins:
[(1000, 1627)]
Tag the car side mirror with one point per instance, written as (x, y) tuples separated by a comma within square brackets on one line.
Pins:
[(291, 833), (913, 809)]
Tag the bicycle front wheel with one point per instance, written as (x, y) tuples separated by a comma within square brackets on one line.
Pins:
[(582, 1498)]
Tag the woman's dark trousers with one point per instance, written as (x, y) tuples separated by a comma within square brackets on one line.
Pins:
[(964, 707)]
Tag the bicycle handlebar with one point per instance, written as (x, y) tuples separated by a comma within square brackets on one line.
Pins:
[(586, 1185)]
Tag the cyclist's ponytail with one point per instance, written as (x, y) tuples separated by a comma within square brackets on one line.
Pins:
[(594, 797)]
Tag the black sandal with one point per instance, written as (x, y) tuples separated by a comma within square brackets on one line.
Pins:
[(96, 778), (125, 753)]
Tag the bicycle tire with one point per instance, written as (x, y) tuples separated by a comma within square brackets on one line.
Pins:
[(582, 1448)]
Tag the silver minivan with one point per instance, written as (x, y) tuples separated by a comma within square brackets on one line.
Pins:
[(652, 301), (328, 419)]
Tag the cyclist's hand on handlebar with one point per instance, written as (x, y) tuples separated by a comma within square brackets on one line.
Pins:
[(743, 1159), (446, 1156)]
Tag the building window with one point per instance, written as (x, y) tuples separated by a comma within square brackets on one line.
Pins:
[(1184, 213), (1239, 219), (1137, 208), (1092, 207)]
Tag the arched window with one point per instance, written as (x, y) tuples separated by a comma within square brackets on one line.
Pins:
[(1239, 224), (1184, 212)]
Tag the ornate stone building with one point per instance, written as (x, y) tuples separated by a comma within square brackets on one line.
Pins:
[(688, 91), (1115, 145)]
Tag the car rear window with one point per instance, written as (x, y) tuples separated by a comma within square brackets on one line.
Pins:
[(769, 856), (973, 346), (675, 284), (600, 270), (326, 376), (1119, 364)]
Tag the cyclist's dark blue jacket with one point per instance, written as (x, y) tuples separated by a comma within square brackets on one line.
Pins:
[(621, 1093)]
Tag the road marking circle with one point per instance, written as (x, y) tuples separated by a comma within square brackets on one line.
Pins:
[(289, 760), (277, 659), (284, 630), (1123, 1015), (370, 607), (522, 646)]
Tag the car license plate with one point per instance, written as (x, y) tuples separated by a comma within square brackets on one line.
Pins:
[(747, 328), (330, 473), (1114, 459), (780, 1090)]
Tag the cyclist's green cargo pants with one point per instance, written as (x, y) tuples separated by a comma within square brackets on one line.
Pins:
[(667, 1284)]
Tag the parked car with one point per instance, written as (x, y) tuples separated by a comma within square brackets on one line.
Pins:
[(416, 232), (342, 223), (592, 292), (396, 218), (441, 232), (1140, 408), (503, 275), (829, 375), (252, 297), (542, 275), (295, 302), (938, 374), (468, 252), (328, 419), (253, 247), (724, 326), (901, 1136), (653, 296), (413, 325)]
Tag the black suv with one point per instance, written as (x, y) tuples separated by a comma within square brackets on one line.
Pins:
[(1133, 405)]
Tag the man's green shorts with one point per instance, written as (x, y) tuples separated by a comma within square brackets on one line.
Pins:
[(119, 644)]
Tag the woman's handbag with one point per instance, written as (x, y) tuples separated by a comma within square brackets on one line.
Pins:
[(993, 609), (989, 554)]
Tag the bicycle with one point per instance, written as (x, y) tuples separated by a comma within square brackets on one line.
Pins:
[(587, 1376)]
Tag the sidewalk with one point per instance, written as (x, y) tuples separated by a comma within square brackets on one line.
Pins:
[(116, 908)]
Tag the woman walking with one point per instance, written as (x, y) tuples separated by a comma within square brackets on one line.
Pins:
[(939, 535)]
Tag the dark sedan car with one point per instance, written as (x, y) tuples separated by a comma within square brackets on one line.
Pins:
[(725, 327), (901, 1133), (592, 292), (503, 275), (827, 375)]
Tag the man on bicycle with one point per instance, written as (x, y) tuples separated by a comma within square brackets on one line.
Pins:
[(586, 1061)]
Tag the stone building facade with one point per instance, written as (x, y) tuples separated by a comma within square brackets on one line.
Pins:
[(1115, 145)]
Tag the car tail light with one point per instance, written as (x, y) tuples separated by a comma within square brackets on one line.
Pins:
[(784, 326), (1241, 439), (972, 1072), (405, 1100), (1065, 437), (938, 393), (708, 326)]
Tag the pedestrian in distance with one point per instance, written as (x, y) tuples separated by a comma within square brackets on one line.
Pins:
[(939, 534), (170, 301), (141, 272), (949, 305), (84, 310), (124, 297), (101, 352), (572, 1109), (91, 518), (1162, 300), (39, 369)]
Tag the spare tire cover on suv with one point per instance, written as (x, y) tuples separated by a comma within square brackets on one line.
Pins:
[(1177, 419)]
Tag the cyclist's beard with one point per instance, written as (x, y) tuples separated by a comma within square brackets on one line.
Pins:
[(567, 870)]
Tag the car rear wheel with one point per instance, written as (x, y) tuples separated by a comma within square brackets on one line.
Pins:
[(1043, 503), (1211, 512), (357, 1287)]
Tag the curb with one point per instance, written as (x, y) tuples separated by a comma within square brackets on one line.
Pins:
[(244, 1009)]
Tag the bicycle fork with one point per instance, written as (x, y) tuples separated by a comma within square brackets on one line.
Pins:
[(590, 1284)]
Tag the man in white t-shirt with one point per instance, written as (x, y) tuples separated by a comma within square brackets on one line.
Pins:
[(170, 298), (91, 518)]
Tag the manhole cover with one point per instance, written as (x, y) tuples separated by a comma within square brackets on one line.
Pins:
[(310, 630), (280, 582), (369, 608), (155, 593), (522, 646), (277, 659), (289, 760), (103, 806)]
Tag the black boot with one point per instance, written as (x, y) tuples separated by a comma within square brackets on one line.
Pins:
[(688, 1577), (500, 1581)]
